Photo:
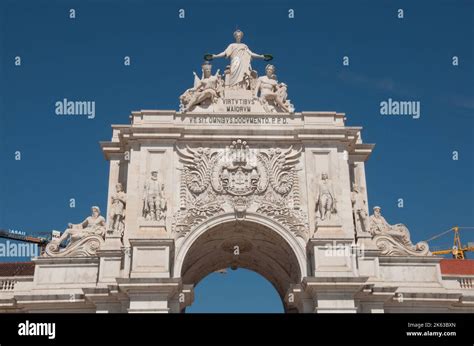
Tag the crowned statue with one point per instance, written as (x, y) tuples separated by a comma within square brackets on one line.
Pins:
[(206, 88)]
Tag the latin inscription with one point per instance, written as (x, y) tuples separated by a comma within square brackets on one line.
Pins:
[(238, 105), (238, 120)]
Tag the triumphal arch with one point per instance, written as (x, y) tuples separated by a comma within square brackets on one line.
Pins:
[(237, 178)]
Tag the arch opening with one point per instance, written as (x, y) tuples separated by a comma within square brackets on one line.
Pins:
[(242, 244), (235, 291)]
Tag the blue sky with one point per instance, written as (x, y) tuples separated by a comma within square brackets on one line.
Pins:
[(406, 59)]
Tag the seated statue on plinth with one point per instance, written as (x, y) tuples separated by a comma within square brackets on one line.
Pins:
[(272, 93), (209, 87), (92, 227), (394, 239)]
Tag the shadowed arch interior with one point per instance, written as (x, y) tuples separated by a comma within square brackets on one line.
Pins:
[(259, 249)]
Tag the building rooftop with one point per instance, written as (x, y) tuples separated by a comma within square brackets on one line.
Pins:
[(457, 267), (17, 269)]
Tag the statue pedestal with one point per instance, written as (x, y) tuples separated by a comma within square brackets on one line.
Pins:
[(113, 241), (146, 227), (156, 295), (332, 256), (151, 257), (63, 272), (110, 258), (367, 255), (326, 230), (326, 294), (332, 250), (230, 94)]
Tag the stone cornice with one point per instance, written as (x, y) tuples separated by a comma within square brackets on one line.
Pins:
[(305, 127)]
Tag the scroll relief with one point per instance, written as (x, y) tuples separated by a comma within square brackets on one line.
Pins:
[(239, 179)]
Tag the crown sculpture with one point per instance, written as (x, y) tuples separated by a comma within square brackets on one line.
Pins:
[(239, 89)]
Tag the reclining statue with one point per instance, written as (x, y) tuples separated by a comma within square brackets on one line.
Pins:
[(378, 225), (394, 239), (92, 225)]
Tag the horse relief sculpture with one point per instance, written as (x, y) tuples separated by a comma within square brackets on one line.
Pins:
[(84, 238), (239, 89), (239, 179), (394, 240)]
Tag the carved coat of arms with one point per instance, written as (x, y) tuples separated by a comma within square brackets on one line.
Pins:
[(239, 179)]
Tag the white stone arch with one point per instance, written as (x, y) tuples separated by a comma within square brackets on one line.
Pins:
[(296, 245)]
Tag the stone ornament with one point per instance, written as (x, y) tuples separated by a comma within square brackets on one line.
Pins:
[(154, 201), (326, 199), (239, 89), (394, 240), (117, 214), (85, 237), (238, 179), (359, 210)]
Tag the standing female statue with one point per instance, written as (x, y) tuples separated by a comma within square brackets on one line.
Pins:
[(240, 57)]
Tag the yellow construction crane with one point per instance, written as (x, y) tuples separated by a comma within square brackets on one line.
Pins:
[(458, 250)]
